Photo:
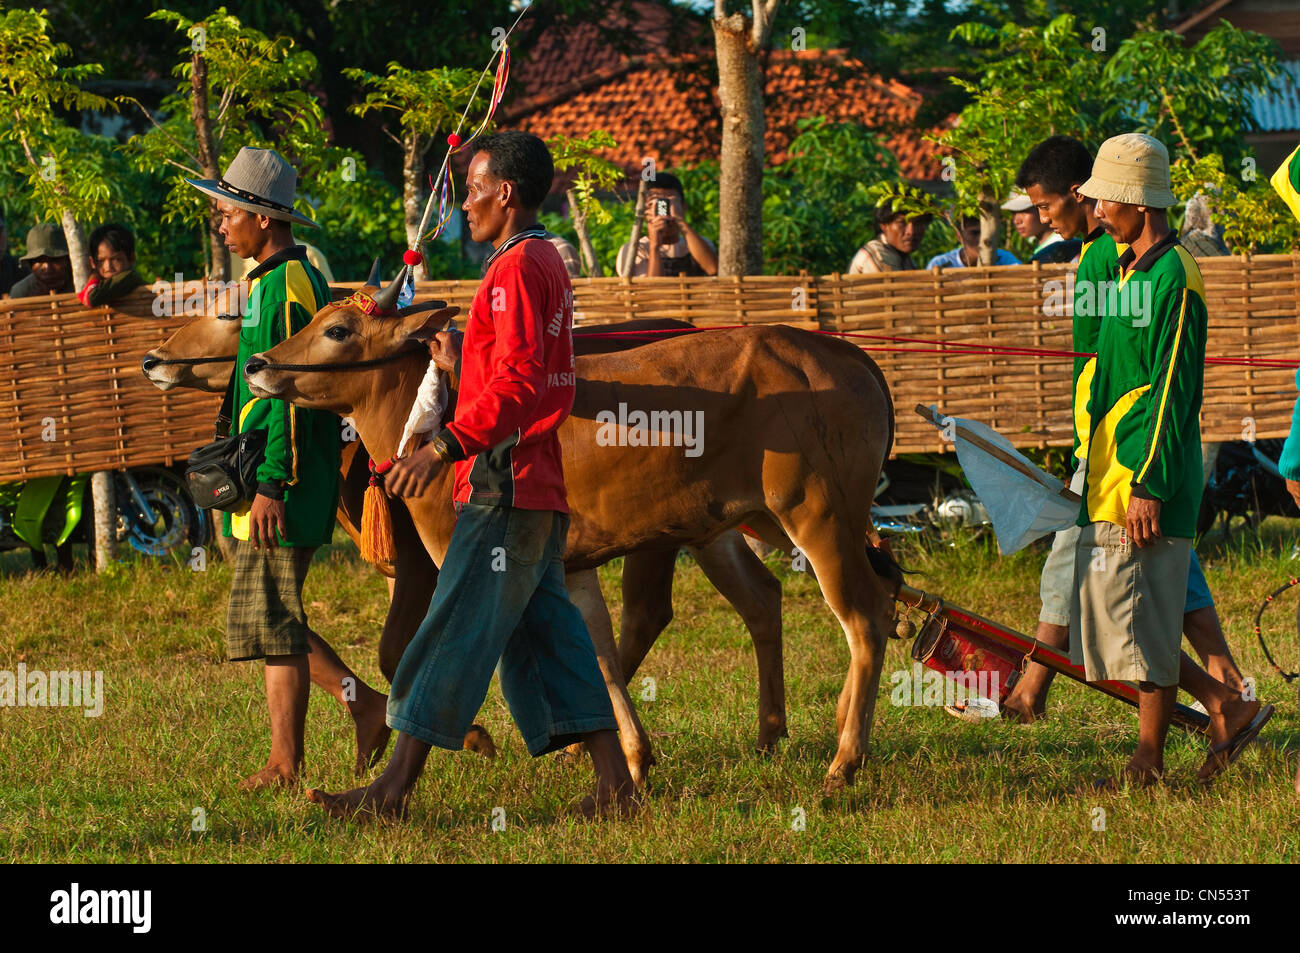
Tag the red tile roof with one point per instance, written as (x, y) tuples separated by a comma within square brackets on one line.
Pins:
[(663, 104)]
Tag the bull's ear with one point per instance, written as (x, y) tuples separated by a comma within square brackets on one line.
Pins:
[(421, 323)]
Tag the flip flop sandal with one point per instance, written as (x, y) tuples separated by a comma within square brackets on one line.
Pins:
[(974, 711), (1225, 753)]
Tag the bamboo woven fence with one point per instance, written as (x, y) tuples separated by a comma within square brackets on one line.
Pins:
[(79, 369)]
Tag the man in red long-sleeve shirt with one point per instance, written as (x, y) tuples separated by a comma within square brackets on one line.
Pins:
[(501, 594)]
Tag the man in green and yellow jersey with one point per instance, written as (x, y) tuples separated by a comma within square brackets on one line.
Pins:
[(297, 491), (1051, 175), (1142, 483)]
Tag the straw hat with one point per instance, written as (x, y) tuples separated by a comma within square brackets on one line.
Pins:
[(1132, 169), (260, 181)]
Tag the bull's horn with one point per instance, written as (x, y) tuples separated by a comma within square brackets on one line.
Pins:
[(387, 298), (373, 279)]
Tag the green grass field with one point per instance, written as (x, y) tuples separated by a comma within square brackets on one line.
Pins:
[(181, 726)]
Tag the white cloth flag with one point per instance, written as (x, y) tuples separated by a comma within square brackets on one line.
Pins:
[(426, 412), (1023, 502)]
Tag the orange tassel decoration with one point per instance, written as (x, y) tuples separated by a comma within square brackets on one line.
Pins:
[(377, 544)]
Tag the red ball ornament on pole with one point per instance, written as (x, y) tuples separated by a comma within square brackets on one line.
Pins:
[(453, 140), (412, 257)]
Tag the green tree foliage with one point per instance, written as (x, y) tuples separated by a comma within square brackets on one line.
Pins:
[(817, 205), (259, 95), (427, 105), (64, 173), (1253, 216), (1063, 78)]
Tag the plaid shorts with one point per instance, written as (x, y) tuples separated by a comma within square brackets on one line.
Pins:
[(265, 615)]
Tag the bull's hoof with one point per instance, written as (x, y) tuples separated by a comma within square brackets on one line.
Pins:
[(838, 779), (480, 742), (572, 755), (639, 765), (769, 735)]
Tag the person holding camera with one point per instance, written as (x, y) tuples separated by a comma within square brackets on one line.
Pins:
[(670, 247)]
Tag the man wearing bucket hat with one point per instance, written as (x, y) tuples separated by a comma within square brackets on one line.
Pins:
[(297, 494), (1142, 483), (47, 257)]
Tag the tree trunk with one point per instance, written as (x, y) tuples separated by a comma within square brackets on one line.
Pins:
[(740, 198), (75, 236), (413, 148), (104, 506), (637, 218), (209, 163), (990, 223), (584, 238)]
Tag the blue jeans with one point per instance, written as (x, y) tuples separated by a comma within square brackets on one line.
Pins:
[(501, 596)]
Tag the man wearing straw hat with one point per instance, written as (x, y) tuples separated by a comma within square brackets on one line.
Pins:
[(1142, 486), (1052, 174), (297, 492)]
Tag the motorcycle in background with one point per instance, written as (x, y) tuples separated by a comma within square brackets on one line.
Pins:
[(155, 515)]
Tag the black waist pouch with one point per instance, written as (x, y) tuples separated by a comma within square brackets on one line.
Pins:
[(223, 474)]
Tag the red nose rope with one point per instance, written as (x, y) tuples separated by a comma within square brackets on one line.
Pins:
[(939, 346)]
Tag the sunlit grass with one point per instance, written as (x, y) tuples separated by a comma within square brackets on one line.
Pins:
[(181, 726)]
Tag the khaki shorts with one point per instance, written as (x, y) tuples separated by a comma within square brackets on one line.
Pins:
[(265, 615), (1126, 618)]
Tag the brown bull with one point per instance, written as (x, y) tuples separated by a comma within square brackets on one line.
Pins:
[(796, 428), (198, 355)]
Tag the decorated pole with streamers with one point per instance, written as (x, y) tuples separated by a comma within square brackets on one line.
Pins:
[(441, 186)]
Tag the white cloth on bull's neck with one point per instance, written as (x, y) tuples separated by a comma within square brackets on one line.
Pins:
[(426, 413)]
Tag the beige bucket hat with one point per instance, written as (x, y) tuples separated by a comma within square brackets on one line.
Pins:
[(257, 180), (1132, 169), (1019, 202)]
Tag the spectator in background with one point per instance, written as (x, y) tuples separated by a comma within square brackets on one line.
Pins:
[(11, 269), (897, 239), (1199, 235), (112, 266), (568, 254), (1048, 245), (966, 255), (670, 247), (47, 256)]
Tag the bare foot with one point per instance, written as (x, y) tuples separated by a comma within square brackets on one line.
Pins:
[(1230, 719), (480, 742), (376, 801), (1018, 710), (1223, 753), (372, 734), (273, 775)]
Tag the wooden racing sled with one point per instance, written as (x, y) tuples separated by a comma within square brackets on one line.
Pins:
[(956, 643)]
